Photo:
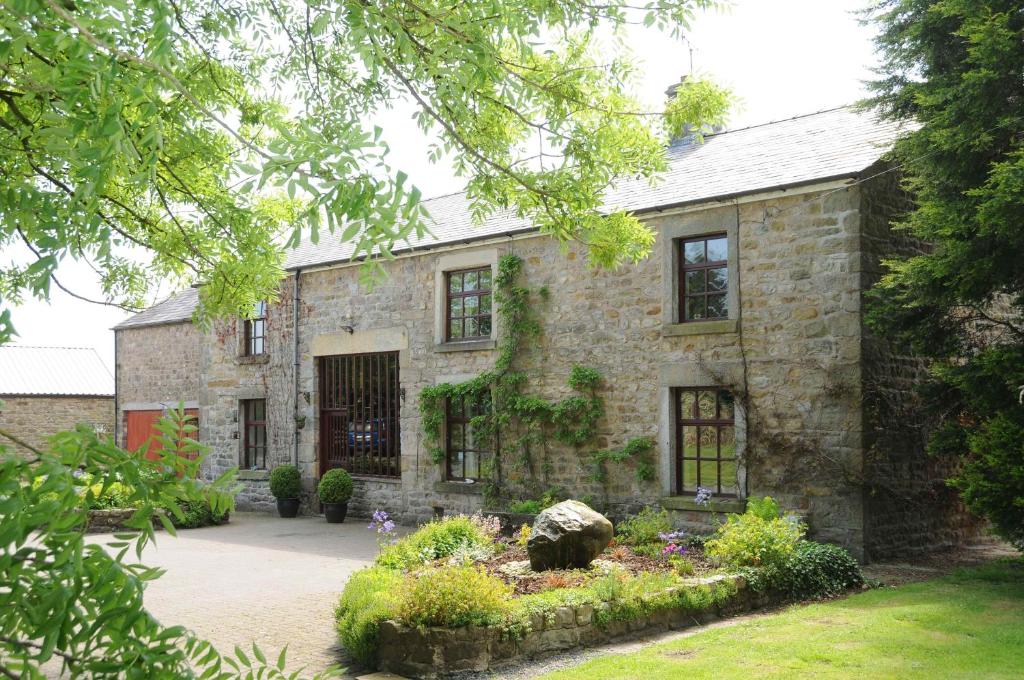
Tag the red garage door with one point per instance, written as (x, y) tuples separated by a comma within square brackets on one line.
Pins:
[(140, 429)]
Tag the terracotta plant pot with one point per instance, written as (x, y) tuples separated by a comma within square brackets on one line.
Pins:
[(335, 512), (288, 507)]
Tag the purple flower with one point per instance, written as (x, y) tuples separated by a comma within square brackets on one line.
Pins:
[(672, 536), (703, 496), (673, 549), (387, 527)]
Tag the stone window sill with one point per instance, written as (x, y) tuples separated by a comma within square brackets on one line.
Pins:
[(379, 480), (737, 505), (253, 359), (466, 488), (700, 327), (466, 346), (253, 475)]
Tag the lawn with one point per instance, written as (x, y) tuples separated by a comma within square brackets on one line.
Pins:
[(967, 625)]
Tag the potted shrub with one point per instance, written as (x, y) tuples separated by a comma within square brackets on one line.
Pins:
[(285, 484), (335, 489)]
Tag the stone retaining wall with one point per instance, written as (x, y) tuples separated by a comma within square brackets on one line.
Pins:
[(444, 652)]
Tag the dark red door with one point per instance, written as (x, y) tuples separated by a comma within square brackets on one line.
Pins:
[(140, 430)]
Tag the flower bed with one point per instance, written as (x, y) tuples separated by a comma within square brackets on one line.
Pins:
[(110, 508), (456, 595), (422, 652)]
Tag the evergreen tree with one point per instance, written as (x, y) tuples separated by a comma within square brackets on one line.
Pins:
[(955, 68)]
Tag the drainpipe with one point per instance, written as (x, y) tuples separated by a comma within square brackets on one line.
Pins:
[(117, 395), (295, 366)]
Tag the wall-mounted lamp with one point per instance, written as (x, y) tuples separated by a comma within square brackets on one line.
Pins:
[(401, 394), (348, 329)]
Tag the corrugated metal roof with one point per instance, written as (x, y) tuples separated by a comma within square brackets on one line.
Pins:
[(829, 144), (824, 145), (60, 371), (174, 309)]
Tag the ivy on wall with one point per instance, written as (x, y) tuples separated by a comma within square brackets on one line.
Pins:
[(520, 424)]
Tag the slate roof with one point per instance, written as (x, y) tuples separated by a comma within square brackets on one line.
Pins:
[(178, 307), (834, 144), (53, 371), (819, 146)]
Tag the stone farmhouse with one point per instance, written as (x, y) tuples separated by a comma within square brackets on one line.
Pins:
[(738, 348), (45, 390)]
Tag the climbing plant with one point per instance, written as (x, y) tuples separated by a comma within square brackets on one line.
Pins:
[(521, 424)]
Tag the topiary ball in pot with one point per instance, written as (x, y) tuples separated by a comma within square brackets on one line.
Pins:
[(285, 485), (335, 489)]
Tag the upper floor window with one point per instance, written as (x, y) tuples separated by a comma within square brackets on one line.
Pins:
[(468, 311), (256, 331), (467, 454), (704, 278), (705, 441), (254, 434)]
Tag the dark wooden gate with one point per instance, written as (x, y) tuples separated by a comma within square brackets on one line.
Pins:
[(359, 410)]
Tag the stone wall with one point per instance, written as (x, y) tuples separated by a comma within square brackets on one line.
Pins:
[(791, 352), (443, 652), (229, 378), (34, 418), (157, 366), (910, 509)]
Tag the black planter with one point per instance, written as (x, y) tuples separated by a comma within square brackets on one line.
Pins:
[(335, 512), (288, 507)]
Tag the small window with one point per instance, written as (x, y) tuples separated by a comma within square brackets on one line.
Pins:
[(256, 331), (704, 278), (705, 441), (254, 434), (468, 315), (468, 455)]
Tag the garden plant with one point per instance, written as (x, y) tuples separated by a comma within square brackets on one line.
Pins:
[(459, 571), (335, 490), (286, 485)]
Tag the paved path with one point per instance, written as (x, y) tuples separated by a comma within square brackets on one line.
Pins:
[(259, 578)]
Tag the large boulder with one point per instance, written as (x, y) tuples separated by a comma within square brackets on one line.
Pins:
[(569, 535)]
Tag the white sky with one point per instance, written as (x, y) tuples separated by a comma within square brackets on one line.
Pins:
[(782, 58)]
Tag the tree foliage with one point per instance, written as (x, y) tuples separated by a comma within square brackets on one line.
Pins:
[(954, 67), (69, 603), (207, 134)]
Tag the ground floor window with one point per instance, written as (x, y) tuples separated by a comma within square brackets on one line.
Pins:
[(705, 446), (254, 434), (467, 452)]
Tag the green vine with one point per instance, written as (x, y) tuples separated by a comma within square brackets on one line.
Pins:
[(520, 424), (637, 450)]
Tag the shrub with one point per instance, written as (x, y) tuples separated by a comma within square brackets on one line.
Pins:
[(644, 527), (115, 496), (766, 508), (197, 514), (433, 541), (452, 597), (818, 570), (750, 540), (335, 486), (534, 506), (523, 536), (370, 597), (285, 481), (527, 507)]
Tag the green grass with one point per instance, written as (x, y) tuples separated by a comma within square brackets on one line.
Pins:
[(967, 625)]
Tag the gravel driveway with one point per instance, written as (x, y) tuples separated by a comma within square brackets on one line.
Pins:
[(259, 578)]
